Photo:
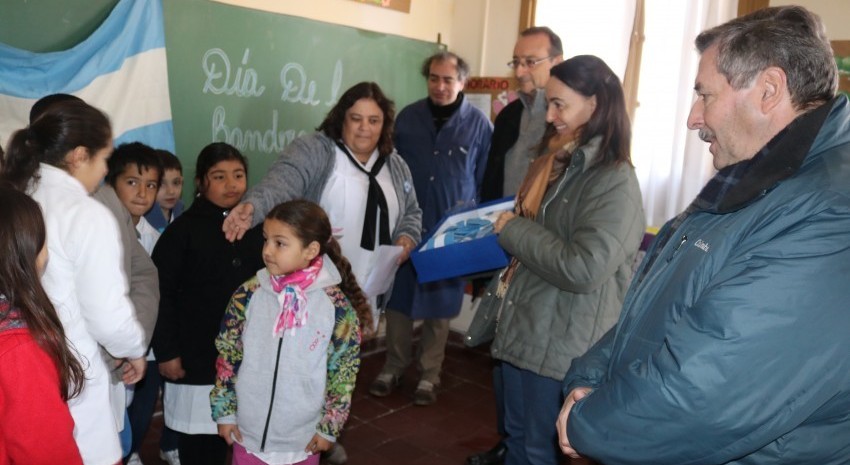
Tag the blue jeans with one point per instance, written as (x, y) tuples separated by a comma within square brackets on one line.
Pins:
[(125, 436), (142, 407), (532, 403)]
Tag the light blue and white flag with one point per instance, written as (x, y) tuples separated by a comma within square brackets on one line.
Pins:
[(120, 69)]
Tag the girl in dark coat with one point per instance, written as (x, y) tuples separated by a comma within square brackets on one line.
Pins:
[(198, 272)]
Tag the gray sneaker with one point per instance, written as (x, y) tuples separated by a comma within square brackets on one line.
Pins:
[(384, 385), (424, 394)]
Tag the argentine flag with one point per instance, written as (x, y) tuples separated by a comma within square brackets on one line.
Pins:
[(119, 69)]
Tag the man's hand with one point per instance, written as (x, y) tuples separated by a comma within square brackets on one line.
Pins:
[(408, 245), (502, 221), (574, 396), (318, 445), (172, 369), (230, 433), (238, 221)]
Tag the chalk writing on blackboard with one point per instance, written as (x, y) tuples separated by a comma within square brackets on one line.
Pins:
[(272, 140), (218, 82), (293, 80), (246, 82)]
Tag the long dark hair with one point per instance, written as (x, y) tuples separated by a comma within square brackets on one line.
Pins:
[(311, 223), (209, 156), (59, 129), (332, 125), (22, 236), (590, 76)]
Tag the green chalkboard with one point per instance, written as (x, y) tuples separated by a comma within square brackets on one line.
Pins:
[(50, 26), (257, 80)]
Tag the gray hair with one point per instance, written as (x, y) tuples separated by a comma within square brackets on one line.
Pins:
[(791, 38), (555, 46), (461, 65)]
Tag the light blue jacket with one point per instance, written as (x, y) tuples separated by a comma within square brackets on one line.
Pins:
[(734, 347)]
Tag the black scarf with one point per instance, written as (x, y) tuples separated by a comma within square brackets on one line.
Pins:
[(374, 200), (441, 115)]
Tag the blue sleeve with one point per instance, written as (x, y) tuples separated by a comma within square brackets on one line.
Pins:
[(589, 370), (750, 360), (485, 135)]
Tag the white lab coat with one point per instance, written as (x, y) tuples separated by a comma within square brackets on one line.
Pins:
[(86, 282)]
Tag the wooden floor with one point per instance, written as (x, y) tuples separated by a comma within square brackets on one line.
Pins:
[(393, 431)]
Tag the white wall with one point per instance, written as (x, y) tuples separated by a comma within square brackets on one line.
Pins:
[(425, 21), (484, 32), (834, 13)]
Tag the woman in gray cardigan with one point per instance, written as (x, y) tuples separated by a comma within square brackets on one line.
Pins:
[(575, 232), (350, 168)]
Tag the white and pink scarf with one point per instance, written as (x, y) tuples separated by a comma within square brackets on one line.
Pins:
[(290, 294)]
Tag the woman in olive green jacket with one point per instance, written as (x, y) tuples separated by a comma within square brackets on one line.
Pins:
[(574, 236)]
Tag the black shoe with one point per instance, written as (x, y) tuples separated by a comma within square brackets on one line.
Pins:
[(384, 385), (494, 456), (336, 455)]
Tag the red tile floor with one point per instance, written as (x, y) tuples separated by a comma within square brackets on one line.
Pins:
[(392, 431)]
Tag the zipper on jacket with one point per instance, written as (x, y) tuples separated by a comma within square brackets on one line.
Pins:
[(632, 300), (557, 190), (271, 402), (682, 242)]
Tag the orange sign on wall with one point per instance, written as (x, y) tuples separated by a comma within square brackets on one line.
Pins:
[(490, 94)]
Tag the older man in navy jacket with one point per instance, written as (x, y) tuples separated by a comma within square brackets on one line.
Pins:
[(733, 347)]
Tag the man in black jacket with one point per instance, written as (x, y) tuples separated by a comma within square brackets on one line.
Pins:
[(519, 126)]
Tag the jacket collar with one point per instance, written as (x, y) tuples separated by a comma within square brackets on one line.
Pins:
[(780, 159), (534, 102), (587, 155), (51, 175), (203, 207)]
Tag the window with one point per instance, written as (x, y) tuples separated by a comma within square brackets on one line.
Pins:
[(671, 162)]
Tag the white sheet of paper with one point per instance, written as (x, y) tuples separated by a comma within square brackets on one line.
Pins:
[(382, 275)]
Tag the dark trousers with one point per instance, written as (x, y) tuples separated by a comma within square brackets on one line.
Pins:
[(532, 403), (201, 449), (141, 410), (499, 392)]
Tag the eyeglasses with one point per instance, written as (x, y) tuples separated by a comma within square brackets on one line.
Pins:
[(527, 62)]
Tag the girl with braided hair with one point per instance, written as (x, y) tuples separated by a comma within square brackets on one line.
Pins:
[(290, 343)]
